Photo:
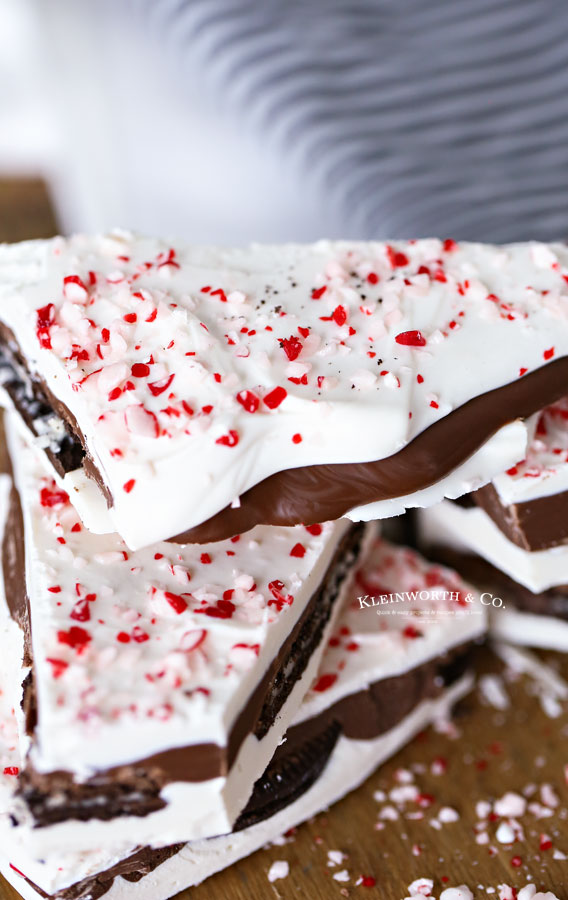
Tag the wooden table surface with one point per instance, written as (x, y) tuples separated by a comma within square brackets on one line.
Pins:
[(487, 752)]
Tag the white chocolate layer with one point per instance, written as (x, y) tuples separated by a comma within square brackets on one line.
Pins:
[(471, 529), (518, 627), (195, 373)]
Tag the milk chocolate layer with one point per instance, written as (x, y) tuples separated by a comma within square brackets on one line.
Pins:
[(318, 493), (301, 759), (532, 525), (135, 789)]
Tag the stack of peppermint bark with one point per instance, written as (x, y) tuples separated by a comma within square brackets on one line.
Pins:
[(198, 440), (511, 537)]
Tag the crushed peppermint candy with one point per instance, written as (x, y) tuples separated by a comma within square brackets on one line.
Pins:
[(279, 869)]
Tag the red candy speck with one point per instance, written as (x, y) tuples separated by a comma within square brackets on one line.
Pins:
[(205, 559), (248, 400), (52, 497), (11, 770), (280, 600), (158, 387), (396, 258), (411, 632), (548, 354), (193, 639), (58, 666), (411, 339), (45, 318), (275, 397), (314, 529), (123, 638), (128, 485), (228, 440), (367, 881), (223, 609), (339, 315), (372, 278), (76, 637), (177, 603), (130, 318), (298, 550), (140, 370), (516, 861), (296, 438), (318, 292), (139, 635), (450, 245), (324, 682), (292, 347), (81, 611)]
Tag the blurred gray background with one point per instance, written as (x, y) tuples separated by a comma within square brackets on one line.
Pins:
[(232, 120)]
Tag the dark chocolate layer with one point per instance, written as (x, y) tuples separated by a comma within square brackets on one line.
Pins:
[(135, 789), (311, 494), (532, 525), (301, 759), (36, 406)]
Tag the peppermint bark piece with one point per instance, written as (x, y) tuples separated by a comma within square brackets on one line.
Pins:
[(376, 687), (519, 521), (162, 679), (518, 615), (205, 391)]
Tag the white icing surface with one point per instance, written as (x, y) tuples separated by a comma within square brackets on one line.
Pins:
[(165, 651), (543, 471), (472, 529), (358, 394)]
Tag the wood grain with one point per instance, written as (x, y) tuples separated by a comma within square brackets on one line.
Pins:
[(493, 752)]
